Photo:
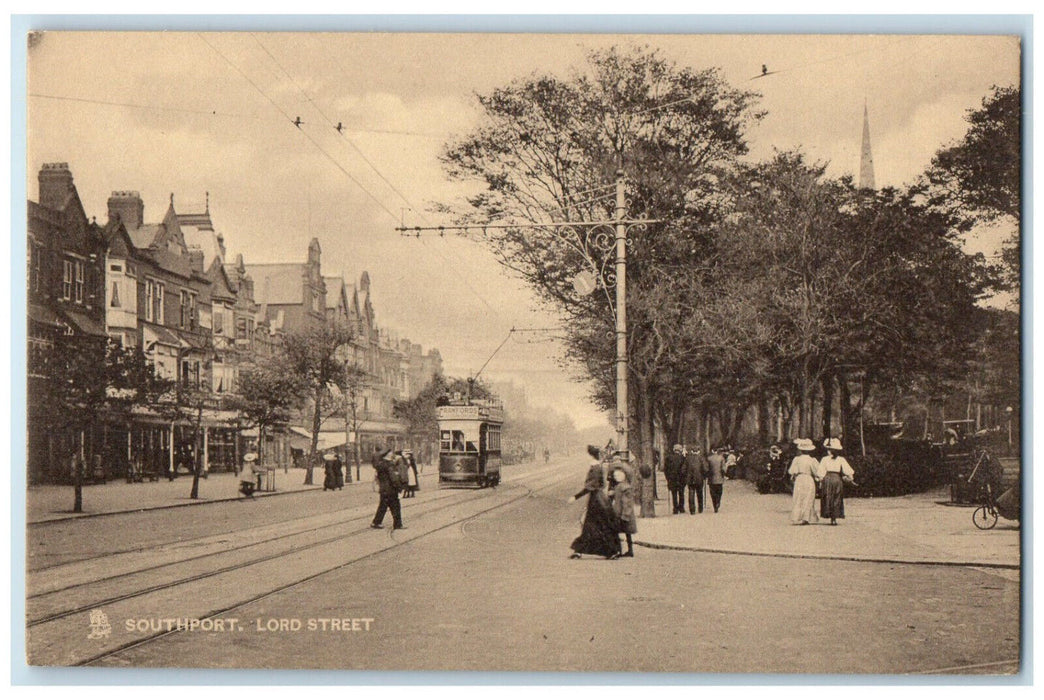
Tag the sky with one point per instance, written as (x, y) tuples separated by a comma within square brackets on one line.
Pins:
[(190, 113)]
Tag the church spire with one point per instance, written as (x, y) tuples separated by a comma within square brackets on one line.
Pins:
[(866, 159)]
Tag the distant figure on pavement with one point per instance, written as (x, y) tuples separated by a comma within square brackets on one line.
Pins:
[(804, 471), (248, 475), (333, 478), (547, 455), (412, 479), (731, 463), (716, 476), (388, 487), (622, 497), (674, 472), (834, 470), (696, 469), (600, 532)]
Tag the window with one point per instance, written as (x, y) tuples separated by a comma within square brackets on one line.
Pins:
[(157, 303), (192, 311), (184, 321), (33, 276), (154, 301), (150, 295), (67, 279), (219, 320), (115, 303), (78, 285)]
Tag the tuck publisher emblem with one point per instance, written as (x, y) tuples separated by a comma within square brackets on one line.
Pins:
[(100, 627)]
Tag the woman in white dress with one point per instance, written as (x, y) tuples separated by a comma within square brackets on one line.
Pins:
[(804, 472)]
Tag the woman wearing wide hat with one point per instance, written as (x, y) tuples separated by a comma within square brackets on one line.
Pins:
[(835, 470), (804, 471), (599, 534)]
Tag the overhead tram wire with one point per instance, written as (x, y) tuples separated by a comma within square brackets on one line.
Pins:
[(311, 100), (208, 113), (331, 158), (315, 106), (275, 104), (132, 105)]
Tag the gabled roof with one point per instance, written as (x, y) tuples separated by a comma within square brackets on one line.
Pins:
[(202, 239), (221, 286), (118, 241), (145, 235), (278, 283)]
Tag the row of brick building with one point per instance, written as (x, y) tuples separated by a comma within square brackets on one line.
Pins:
[(170, 289)]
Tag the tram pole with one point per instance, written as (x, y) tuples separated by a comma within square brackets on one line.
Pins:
[(621, 317)]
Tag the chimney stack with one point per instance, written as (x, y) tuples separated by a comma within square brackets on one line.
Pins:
[(128, 205), (56, 184)]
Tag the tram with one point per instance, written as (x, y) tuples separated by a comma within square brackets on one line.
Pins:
[(469, 443)]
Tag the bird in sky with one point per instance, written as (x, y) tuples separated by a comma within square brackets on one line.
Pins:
[(339, 127), (764, 71), (297, 122)]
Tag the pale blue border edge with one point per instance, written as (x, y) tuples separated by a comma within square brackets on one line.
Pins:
[(21, 674)]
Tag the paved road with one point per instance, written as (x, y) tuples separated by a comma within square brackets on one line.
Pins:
[(481, 581)]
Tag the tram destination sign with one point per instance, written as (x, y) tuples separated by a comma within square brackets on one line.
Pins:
[(473, 412)]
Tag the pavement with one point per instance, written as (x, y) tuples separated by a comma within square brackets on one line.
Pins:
[(918, 529), (47, 503)]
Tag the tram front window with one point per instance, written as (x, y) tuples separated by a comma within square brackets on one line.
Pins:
[(458, 440)]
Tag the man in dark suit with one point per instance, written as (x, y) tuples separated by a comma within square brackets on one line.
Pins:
[(696, 469), (674, 472), (387, 485), (716, 476)]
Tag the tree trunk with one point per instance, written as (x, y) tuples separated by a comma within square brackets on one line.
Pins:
[(764, 417), (645, 469), (196, 449), (845, 396), (78, 479), (317, 419), (828, 405)]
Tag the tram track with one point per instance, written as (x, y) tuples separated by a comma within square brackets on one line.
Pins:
[(286, 538), (57, 569), (210, 572), (149, 595), (224, 611)]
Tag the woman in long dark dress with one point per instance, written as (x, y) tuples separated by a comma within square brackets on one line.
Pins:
[(834, 470), (599, 533)]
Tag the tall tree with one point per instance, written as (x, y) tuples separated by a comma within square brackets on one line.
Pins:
[(980, 176), (80, 383), (317, 356), (547, 151), (267, 396)]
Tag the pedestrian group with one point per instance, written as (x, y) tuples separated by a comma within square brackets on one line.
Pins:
[(610, 508), (831, 473)]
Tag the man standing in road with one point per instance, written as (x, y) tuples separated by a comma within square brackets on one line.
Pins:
[(716, 476), (695, 470), (674, 472), (388, 486)]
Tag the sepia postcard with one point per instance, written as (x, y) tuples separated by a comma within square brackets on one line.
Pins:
[(687, 353)]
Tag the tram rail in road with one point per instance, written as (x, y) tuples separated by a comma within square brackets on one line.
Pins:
[(150, 585)]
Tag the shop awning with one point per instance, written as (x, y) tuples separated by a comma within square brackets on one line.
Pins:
[(43, 315), (301, 439), (84, 323)]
